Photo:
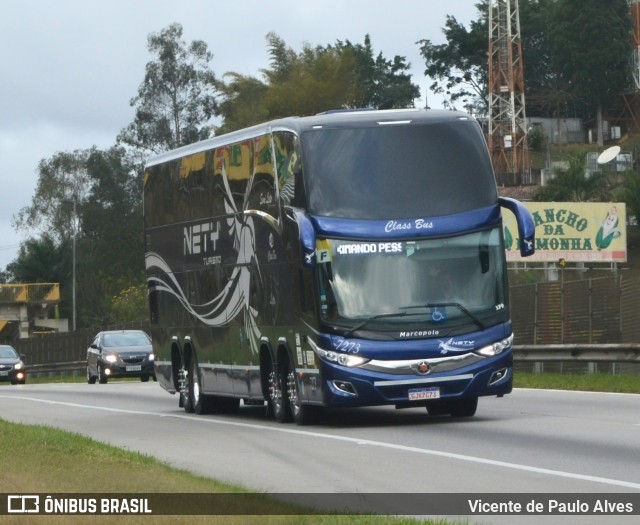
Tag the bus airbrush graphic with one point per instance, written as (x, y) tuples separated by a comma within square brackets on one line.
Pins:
[(233, 299), (349, 259)]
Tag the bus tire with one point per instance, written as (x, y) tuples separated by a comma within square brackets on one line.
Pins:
[(301, 413), (463, 407), (193, 389), (199, 402), (278, 403)]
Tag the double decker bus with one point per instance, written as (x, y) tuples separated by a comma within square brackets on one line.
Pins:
[(347, 259)]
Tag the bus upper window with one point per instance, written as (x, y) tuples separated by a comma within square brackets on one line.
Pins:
[(407, 171)]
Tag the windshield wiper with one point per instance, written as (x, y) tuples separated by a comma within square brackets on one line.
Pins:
[(372, 318), (455, 305)]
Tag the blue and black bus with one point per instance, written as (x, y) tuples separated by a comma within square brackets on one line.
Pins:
[(352, 258)]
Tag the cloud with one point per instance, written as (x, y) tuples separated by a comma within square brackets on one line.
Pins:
[(70, 67)]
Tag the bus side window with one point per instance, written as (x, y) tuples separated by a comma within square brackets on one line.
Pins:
[(289, 164), (263, 195)]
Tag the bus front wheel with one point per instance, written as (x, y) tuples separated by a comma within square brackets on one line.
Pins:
[(463, 407)]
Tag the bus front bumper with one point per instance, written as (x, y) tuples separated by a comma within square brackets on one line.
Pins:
[(468, 375)]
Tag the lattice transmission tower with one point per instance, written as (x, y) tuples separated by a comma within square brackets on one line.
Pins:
[(507, 135)]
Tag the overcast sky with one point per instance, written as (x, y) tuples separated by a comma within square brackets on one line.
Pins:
[(70, 67)]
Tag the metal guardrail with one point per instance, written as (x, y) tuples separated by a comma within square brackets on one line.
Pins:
[(70, 368), (605, 353)]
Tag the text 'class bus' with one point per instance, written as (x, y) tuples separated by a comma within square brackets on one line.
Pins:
[(347, 259)]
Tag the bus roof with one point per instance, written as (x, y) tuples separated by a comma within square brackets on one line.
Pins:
[(334, 119)]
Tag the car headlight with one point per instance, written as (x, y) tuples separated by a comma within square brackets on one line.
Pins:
[(18, 366), (151, 357), (110, 358), (496, 348)]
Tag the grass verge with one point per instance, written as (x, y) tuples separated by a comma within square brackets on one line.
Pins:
[(39, 459), (620, 383)]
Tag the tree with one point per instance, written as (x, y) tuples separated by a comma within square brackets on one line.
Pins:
[(629, 193), (44, 260), (344, 75), (545, 92), (129, 304), (92, 198), (316, 80), (110, 252), (111, 215), (377, 82), (575, 57), (177, 98), (63, 186), (572, 185), (40, 261), (591, 46), (459, 67), (243, 102)]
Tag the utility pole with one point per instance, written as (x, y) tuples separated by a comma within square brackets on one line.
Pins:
[(507, 137), (73, 277)]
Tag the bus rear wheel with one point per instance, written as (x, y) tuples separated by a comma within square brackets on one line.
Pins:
[(196, 401), (277, 403), (302, 414)]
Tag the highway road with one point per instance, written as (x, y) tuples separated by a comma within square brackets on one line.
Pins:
[(531, 441)]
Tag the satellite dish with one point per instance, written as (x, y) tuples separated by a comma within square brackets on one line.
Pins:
[(609, 154)]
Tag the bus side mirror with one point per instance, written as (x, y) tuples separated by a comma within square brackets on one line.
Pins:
[(526, 227), (307, 238)]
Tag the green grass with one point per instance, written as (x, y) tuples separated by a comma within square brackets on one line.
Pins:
[(629, 384), (39, 459), (79, 378)]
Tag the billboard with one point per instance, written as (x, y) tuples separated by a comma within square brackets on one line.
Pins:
[(573, 231)]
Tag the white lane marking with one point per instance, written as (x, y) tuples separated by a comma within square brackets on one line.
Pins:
[(357, 441)]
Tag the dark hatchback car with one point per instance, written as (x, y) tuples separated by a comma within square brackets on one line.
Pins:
[(12, 366), (120, 353)]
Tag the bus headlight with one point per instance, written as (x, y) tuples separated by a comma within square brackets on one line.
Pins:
[(349, 360), (496, 348)]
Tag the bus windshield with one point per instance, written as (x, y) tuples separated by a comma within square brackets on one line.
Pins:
[(444, 283), (397, 171)]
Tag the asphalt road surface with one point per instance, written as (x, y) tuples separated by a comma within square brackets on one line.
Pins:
[(531, 441)]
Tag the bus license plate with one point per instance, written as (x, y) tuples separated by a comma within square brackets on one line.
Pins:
[(134, 368), (418, 394)]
